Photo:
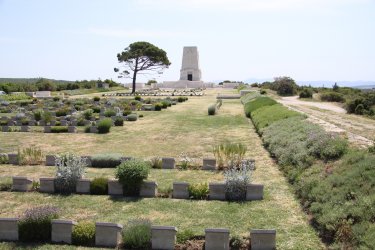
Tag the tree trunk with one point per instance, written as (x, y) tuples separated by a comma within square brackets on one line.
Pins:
[(135, 75)]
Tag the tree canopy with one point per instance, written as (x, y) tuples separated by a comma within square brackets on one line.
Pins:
[(141, 58)]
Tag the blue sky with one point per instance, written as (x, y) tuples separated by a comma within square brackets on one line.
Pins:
[(237, 39)]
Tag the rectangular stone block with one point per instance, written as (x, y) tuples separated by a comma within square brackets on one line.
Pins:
[(53, 123), (18, 123), (21, 184), (163, 237), (254, 192), (216, 239), (50, 160), (83, 186), (148, 189), (209, 164), (5, 129), (72, 129), (8, 229), (64, 123), (262, 239), (13, 159), (168, 163), (115, 188), (32, 123), (11, 123), (107, 234), (93, 129), (47, 129), (47, 185), (217, 191), (62, 231), (180, 190), (25, 128)]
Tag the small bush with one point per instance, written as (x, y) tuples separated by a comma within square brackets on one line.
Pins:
[(106, 160), (198, 191), (158, 106), (88, 114), (332, 97), (306, 93), (229, 155), (236, 243), (109, 113), (119, 121), (165, 104), (132, 117), (70, 168), (184, 235), (137, 234), (212, 109), (96, 98), (81, 122), (156, 162), (236, 181), (5, 184), (96, 109), (99, 186), (131, 174), (83, 234), (104, 126), (56, 99), (4, 158), (137, 98), (35, 224), (126, 112), (263, 92), (87, 129), (61, 112), (182, 99), (59, 129), (30, 156)]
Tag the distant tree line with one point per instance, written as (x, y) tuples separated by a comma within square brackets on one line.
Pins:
[(43, 84)]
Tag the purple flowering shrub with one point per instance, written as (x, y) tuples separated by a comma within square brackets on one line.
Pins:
[(35, 223)]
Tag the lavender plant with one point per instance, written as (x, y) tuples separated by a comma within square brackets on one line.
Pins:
[(70, 168), (236, 180)]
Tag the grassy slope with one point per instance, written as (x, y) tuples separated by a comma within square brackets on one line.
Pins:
[(183, 128)]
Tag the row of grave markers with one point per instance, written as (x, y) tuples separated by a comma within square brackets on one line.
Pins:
[(162, 237)]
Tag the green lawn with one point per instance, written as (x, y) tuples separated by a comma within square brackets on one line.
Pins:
[(182, 128)]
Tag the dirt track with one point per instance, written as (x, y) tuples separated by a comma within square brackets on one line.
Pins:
[(359, 130)]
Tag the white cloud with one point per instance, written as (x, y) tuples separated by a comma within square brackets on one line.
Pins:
[(249, 5), (122, 33)]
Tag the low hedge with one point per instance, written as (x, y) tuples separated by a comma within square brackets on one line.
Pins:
[(59, 129), (104, 126), (83, 234), (106, 160), (99, 186), (257, 103)]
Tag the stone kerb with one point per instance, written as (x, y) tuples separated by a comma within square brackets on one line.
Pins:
[(50, 160), (254, 192), (93, 129), (115, 188), (5, 129), (168, 163), (8, 229), (148, 189), (262, 239), (209, 164), (62, 231), (21, 184), (107, 234), (163, 237), (217, 191), (13, 159), (25, 128), (180, 190), (216, 238), (47, 185), (83, 186)]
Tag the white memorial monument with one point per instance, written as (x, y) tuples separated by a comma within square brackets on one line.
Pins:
[(190, 73)]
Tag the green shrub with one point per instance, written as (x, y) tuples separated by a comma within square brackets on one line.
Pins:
[(184, 235), (96, 109), (88, 114), (236, 181), (59, 129), (119, 121), (236, 243), (258, 103), (212, 109), (106, 160), (30, 156), (87, 129), (131, 174), (6, 183), (263, 92), (165, 104), (38, 114), (109, 113), (250, 96), (332, 97), (61, 112), (306, 93), (35, 224), (56, 98), (132, 117), (83, 234), (99, 186), (126, 112), (81, 122), (96, 98), (137, 98), (198, 191), (229, 155), (267, 115), (182, 99), (158, 106), (104, 126), (156, 162), (4, 158), (137, 234)]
